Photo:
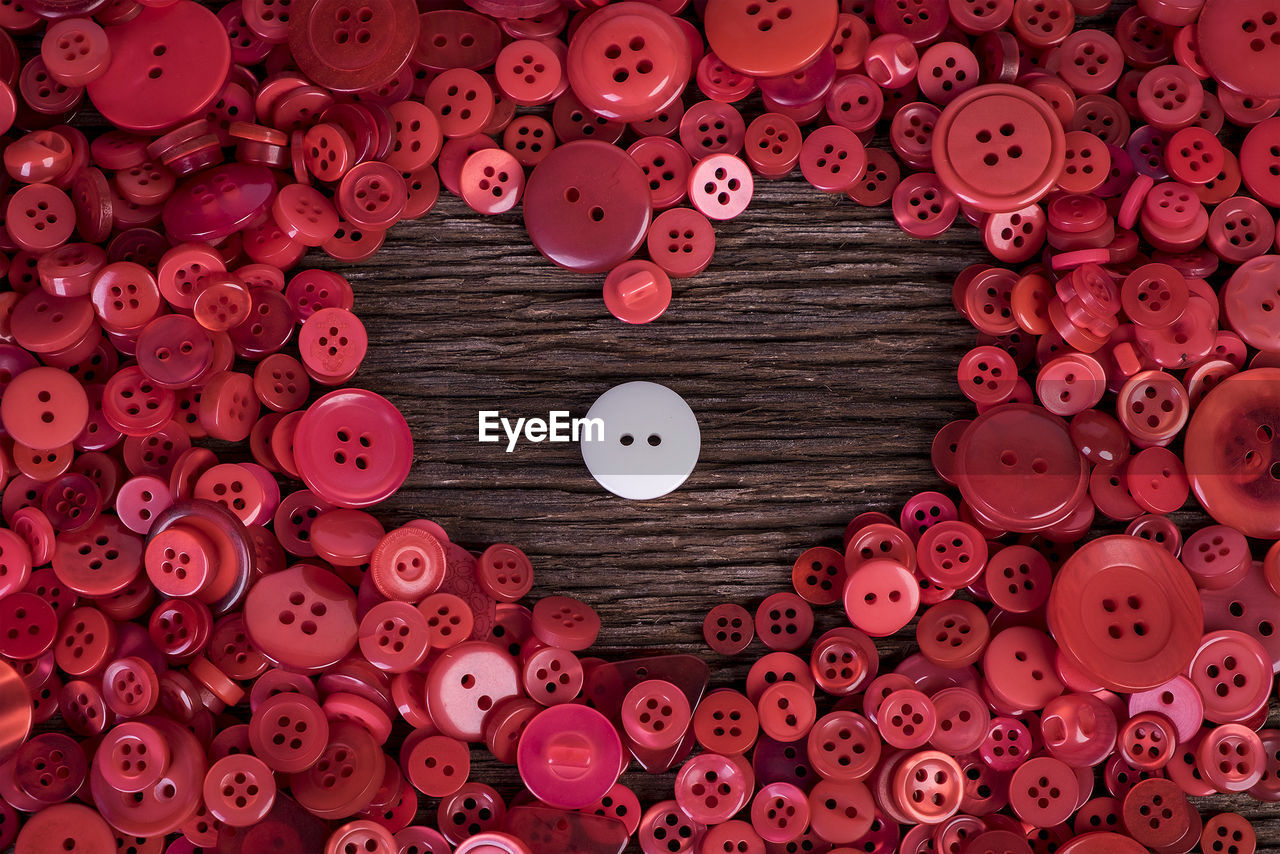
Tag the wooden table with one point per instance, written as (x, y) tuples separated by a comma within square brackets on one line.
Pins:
[(818, 352)]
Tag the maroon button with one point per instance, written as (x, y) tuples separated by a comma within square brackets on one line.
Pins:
[(953, 633), (784, 621), (346, 52), (584, 225)]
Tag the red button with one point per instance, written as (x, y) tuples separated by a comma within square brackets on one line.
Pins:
[(998, 136), (66, 827), (1126, 613), (1234, 486), (464, 683), (289, 732), (1043, 791), (303, 616), (353, 448), (565, 622), (239, 790), (881, 597), (587, 225), (345, 49), (1234, 42), (769, 39), (627, 62), (168, 64), (721, 186)]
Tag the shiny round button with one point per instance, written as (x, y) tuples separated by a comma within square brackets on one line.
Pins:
[(569, 756), (771, 38), (353, 448), (628, 61)]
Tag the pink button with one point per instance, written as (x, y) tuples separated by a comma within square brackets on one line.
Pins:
[(570, 756)]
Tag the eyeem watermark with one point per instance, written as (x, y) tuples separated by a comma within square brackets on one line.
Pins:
[(558, 426)]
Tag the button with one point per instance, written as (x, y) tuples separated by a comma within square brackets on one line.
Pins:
[(64, 827), (1018, 468), (629, 62), (505, 572), (394, 636), (465, 682), (711, 788), (1126, 613), (438, 765), (353, 448), (637, 291), (50, 768), (841, 812), (650, 441), (881, 597), (818, 575), (239, 790), (1043, 791), (1147, 741), (168, 64), (784, 621), (1241, 414), (728, 628), (346, 49), (953, 633), (656, 714), (289, 732), (493, 843), (587, 226), (303, 616), (1234, 43), (769, 39), (998, 135), (569, 756), (361, 835), (1228, 830), (1230, 757), (1233, 673), (721, 186), (681, 241), (347, 776), (216, 203)]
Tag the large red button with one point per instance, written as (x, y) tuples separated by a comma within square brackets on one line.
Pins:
[(627, 61), (770, 38), (353, 448), (167, 64), (1231, 452), (347, 46), (587, 206), (1126, 613), (999, 148), (1239, 41)]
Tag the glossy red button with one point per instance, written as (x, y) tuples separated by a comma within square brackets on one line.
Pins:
[(569, 756), (239, 790), (881, 597), (1234, 42), (628, 62), (168, 64), (998, 136), (465, 683), (637, 291), (1126, 613), (64, 827), (682, 242), (288, 732), (587, 225), (353, 448), (565, 622)]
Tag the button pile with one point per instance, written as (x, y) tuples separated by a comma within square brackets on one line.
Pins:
[(237, 656)]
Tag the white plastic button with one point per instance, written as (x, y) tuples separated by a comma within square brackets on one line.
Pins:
[(651, 441)]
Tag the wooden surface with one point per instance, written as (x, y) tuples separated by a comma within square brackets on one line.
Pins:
[(818, 353)]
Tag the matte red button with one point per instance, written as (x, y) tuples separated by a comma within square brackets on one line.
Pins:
[(345, 51), (65, 827), (587, 225), (289, 732), (565, 622), (769, 39), (303, 616), (998, 136)]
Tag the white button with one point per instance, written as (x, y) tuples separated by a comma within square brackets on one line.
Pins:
[(651, 441)]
